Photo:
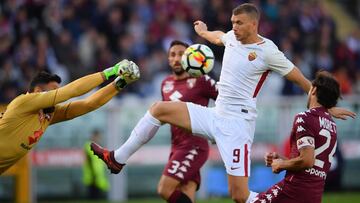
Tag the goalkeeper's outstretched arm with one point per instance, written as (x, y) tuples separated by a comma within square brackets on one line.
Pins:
[(41, 100), (80, 107), (99, 98), (87, 83)]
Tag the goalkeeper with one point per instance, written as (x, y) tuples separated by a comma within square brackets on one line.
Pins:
[(28, 115)]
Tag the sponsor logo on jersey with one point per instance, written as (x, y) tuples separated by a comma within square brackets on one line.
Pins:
[(194, 152), (32, 139), (300, 129), (183, 169), (35, 137), (275, 192), (234, 168), (168, 86), (252, 56), (190, 157), (269, 197), (316, 172), (186, 163), (191, 82), (299, 120), (180, 175)]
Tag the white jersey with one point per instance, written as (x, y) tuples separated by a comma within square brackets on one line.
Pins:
[(244, 70)]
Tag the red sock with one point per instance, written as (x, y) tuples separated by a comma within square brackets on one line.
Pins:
[(179, 197)]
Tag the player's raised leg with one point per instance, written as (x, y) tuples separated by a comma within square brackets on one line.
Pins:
[(175, 113)]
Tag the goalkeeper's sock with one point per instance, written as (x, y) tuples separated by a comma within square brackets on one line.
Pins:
[(144, 130), (179, 197), (252, 195)]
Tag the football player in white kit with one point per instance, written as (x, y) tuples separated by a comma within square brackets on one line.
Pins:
[(248, 58)]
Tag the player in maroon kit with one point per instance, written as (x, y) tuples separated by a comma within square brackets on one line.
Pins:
[(312, 143), (181, 176)]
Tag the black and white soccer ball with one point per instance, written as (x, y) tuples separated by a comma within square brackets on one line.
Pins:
[(197, 60)]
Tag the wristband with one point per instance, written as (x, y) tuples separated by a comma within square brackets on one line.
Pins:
[(120, 83), (109, 72)]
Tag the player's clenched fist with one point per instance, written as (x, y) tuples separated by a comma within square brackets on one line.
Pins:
[(200, 27), (276, 165), (269, 157), (128, 73)]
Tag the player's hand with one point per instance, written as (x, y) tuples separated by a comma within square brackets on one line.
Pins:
[(127, 74), (341, 113), (276, 165), (200, 27), (117, 69), (269, 157)]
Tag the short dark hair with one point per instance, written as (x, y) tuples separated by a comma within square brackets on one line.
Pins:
[(327, 89), (178, 42), (249, 9), (43, 78)]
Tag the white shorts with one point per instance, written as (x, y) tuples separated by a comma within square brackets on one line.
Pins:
[(233, 136)]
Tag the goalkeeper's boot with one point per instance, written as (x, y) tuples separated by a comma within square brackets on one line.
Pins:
[(108, 157)]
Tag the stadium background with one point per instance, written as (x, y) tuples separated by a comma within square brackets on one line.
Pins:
[(74, 38)]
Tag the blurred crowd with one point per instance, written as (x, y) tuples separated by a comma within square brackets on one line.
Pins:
[(75, 37)]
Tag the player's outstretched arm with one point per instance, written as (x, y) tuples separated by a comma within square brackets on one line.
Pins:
[(304, 161), (211, 36), (298, 78), (99, 98), (85, 84), (341, 113), (76, 88)]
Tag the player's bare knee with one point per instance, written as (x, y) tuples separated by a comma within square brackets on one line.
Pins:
[(164, 191), (156, 109)]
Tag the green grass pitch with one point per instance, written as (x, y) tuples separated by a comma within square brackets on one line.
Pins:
[(353, 197)]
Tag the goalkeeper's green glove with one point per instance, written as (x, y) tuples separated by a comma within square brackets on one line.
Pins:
[(117, 69)]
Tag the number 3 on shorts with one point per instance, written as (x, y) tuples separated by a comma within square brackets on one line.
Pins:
[(174, 167)]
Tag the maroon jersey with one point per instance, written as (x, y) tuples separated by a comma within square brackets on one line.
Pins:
[(315, 128), (196, 90)]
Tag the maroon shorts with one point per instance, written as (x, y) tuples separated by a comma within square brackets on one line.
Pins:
[(283, 192), (184, 164)]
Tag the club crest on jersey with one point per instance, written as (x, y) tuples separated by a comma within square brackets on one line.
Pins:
[(191, 82), (252, 56), (168, 86)]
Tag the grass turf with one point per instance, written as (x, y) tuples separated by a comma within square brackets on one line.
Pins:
[(327, 198)]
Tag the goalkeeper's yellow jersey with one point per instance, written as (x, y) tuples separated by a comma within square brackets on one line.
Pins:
[(23, 123)]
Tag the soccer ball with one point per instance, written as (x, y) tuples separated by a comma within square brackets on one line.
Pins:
[(198, 59)]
